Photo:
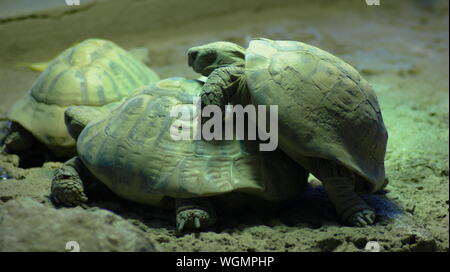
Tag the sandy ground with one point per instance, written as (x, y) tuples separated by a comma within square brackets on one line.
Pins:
[(401, 48)]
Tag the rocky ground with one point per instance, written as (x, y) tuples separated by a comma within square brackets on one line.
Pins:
[(401, 48)]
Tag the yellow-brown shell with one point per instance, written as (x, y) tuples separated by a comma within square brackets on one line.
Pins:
[(326, 109), (131, 150), (92, 73)]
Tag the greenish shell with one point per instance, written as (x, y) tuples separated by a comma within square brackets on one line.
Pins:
[(130, 150), (326, 109), (95, 73)]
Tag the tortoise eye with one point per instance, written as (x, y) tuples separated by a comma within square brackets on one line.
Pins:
[(209, 57)]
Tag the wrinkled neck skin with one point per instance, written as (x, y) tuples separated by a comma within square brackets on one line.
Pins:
[(234, 60), (227, 61), (226, 85), (239, 93)]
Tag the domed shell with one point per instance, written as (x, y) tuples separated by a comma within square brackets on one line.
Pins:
[(326, 109), (131, 150), (92, 73)]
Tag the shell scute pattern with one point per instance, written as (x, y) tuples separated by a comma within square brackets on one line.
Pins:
[(74, 77), (94, 73), (324, 104), (148, 165)]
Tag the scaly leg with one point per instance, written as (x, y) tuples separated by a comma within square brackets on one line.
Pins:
[(67, 186), (224, 85), (339, 184)]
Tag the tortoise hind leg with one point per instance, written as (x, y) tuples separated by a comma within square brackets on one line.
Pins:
[(194, 213), (351, 208), (67, 187), (339, 183)]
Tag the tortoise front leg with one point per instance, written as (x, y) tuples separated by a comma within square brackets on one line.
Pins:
[(194, 213), (67, 187), (224, 85)]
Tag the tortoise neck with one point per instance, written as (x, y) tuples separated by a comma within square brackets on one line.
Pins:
[(238, 92)]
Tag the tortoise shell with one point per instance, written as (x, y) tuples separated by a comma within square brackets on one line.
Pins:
[(92, 73), (130, 149), (326, 109)]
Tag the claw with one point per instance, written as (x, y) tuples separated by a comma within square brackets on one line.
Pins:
[(369, 218), (361, 221), (197, 222), (56, 200), (180, 225)]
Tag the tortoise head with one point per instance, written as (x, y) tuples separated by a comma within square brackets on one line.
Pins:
[(206, 58), (77, 118)]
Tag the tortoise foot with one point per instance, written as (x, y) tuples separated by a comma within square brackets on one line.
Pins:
[(68, 192), (192, 219), (194, 214), (362, 218), (67, 188)]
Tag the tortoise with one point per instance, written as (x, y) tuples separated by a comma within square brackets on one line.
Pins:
[(95, 73), (130, 149), (330, 121)]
